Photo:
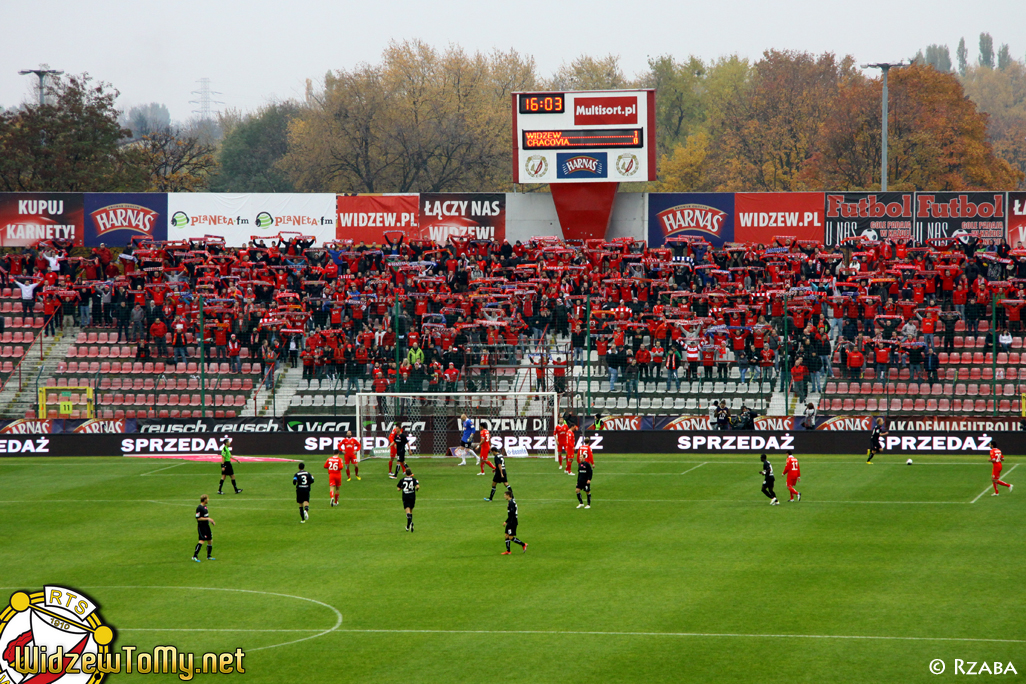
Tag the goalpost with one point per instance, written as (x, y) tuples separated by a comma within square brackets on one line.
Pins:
[(433, 419)]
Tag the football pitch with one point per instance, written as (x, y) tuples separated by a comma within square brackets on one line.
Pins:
[(680, 571)]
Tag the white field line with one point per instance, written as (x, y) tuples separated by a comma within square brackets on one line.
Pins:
[(164, 468), (992, 486), (320, 633), (204, 629), (690, 469), (681, 634)]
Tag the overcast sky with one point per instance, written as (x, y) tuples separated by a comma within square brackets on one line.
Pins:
[(258, 51)]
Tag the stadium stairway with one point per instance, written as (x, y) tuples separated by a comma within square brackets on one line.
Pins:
[(275, 402), (17, 403)]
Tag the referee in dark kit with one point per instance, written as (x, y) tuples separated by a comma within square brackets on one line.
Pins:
[(303, 481), (768, 480)]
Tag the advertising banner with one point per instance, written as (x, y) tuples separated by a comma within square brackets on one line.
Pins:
[(212, 425), (708, 215), (366, 218), (297, 445), (876, 215), (1017, 219), (474, 215), (28, 217), (759, 216), (239, 217), (56, 426), (114, 219), (953, 214)]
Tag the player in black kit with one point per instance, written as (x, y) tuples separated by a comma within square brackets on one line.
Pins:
[(303, 480), (409, 487), (768, 480), (875, 443), (402, 440), (511, 523), (203, 523), (500, 473), (584, 473)]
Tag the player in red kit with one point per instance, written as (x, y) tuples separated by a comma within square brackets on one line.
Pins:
[(584, 453), (794, 474), (997, 458), (569, 445), (391, 447), (351, 446), (334, 467), (560, 434), (485, 444)]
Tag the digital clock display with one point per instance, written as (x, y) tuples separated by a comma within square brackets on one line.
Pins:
[(542, 103), (595, 139)]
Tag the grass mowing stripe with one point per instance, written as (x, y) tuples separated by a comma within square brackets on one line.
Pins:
[(711, 635)]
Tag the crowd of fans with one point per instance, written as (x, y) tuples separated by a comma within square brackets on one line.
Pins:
[(414, 316)]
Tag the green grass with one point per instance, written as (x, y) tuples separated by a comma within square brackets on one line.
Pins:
[(670, 577)]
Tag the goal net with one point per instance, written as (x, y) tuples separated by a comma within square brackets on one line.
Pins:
[(433, 420)]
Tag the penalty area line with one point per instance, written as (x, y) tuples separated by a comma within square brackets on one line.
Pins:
[(992, 486), (711, 635), (693, 468), (160, 469)]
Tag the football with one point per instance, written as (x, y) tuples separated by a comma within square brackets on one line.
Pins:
[(908, 462)]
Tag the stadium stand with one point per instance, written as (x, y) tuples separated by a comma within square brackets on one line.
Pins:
[(867, 326)]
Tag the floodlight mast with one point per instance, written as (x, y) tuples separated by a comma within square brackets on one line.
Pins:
[(41, 74), (884, 67)]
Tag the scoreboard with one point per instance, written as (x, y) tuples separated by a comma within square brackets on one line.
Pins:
[(584, 136)]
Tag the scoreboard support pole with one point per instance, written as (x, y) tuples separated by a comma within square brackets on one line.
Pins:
[(584, 209)]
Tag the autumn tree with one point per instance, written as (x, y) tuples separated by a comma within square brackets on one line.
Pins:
[(251, 149), (769, 127), (986, 50), (175, 161), (962, 54), (589, 73), (937, 138), (1001, 93), (421, 121), (679, 105), (71, 144)]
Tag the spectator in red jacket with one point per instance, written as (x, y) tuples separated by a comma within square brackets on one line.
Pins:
[(158, 333)]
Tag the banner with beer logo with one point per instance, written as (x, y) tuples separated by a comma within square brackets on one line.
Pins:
[(26, 218), (707, 215), (114, 219), (241, 218), (960, 214)]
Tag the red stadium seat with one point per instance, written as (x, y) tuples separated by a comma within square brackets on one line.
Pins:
[(172, 400), (849, 405), (944, 405), (896, 404), (908, 404), (175, 413), (980, 406), (835, 404), (860, 404), (871, 404), (163, 414), (229, 414), (920, 404), (1004, 406)]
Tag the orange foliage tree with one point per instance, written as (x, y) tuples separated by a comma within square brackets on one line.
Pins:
[(937, 139)]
